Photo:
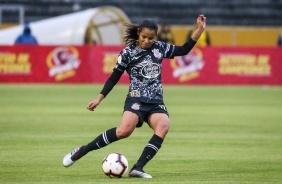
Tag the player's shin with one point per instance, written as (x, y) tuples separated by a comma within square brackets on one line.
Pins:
[(102, 140), (150, 151)]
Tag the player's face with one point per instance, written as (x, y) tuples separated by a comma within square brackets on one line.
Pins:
[(146, 38)]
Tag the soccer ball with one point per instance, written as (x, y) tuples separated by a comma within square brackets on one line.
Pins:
[(115, 165)]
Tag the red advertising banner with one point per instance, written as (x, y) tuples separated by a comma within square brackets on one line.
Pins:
[(94, 64), (44, 64), (227, 65)]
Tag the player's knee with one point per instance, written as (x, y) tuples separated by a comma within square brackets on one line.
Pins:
[(162, 129), (165, 127), (123, 133)]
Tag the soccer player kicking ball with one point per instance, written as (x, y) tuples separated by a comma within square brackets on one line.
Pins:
[(142, 59)]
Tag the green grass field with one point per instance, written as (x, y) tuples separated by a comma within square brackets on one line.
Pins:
[(217, 135)]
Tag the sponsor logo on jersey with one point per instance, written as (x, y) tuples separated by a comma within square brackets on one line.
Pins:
[(63, 62), (151, 70), (135, 106), (134, 93)]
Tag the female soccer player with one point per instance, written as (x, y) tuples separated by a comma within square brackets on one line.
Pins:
[(142, 59)]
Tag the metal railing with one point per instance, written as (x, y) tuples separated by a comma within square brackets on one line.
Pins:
[(19, 8)]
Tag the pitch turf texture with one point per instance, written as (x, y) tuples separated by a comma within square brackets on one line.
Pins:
[(218, 134)]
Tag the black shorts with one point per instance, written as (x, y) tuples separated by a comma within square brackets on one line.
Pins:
[(144, 110)]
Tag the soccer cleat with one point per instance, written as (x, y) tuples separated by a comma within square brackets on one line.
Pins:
[(68, 159), (139, 173)]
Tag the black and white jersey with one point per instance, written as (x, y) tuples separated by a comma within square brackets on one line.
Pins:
[(144, 67)]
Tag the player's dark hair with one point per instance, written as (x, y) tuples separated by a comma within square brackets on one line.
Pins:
[(131, 32)]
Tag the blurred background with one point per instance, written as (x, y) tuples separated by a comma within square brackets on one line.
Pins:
[(224, 97), (230, 22), (241, 44)]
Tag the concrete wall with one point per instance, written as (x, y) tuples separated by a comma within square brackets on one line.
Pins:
[(234, 36)]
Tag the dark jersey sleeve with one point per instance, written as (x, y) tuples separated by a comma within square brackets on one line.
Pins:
[(120, 67), (111, 82), (173, 50), (184, 49)]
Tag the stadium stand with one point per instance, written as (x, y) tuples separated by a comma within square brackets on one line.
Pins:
[(220, 12)]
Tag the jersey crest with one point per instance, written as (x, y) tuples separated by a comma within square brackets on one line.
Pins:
[(135, 106), (157, 53)]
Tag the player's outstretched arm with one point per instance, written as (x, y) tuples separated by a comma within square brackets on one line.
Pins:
[(93, 104), (201, 26), (186, 47)]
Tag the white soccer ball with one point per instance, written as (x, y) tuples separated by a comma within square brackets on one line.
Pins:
[(115, 165)]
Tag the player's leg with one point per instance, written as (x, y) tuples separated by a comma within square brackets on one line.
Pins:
[(126, 127), (159, 122)]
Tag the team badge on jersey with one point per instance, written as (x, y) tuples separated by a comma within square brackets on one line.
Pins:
[(157, 54), (135, 106)]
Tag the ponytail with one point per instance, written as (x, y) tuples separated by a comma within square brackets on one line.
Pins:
[(131, 32)]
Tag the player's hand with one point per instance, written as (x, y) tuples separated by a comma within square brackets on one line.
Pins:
[(201, 21), (201, 26), (93, 104)]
